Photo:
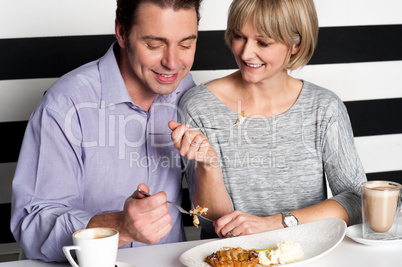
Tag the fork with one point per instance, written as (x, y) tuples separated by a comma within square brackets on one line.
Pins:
[(239, 120), (174, 204), (195, 129), (180, 208)]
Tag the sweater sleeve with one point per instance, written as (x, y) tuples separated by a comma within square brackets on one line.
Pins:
[(342, 165)]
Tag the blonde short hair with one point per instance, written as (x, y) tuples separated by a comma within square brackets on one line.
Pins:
[(286, 21)]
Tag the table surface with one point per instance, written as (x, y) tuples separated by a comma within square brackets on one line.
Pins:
[(347, 253)]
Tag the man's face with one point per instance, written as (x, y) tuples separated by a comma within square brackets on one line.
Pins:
[(161, 48)]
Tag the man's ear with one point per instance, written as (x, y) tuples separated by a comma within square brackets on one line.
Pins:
[(120, 35)]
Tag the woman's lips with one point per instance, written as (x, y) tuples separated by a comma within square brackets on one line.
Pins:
[(253, 66)]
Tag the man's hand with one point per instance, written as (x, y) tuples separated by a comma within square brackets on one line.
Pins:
[(146, 219), (143, 219)]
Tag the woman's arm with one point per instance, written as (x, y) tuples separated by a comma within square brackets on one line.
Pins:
[(241, 223), (206, 182), (211, 191)]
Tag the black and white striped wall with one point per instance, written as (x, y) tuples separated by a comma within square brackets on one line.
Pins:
[(359, 56)]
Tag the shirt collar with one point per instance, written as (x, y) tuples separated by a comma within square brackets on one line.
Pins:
[(114, 90)]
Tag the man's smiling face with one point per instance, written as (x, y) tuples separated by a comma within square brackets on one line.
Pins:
[(161, 47)]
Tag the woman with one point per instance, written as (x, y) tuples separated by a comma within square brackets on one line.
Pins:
[(273, 167)]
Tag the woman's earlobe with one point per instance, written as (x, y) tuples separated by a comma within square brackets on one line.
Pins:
[(295, 49)]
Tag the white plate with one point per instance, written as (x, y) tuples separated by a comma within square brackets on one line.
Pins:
[(355, 233), (124, 264), (316, 239)]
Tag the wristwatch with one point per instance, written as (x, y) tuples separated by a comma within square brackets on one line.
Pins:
[(288, 219)]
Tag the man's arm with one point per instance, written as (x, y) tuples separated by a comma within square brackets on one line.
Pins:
[(46, 189), (49, 191)]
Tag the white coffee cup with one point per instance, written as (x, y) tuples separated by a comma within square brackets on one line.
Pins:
[(95, 247), (381, 202)]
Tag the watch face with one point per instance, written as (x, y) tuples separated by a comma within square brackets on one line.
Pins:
[(290, 221)]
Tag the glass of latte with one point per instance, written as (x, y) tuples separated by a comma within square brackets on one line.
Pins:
[(381, 202)]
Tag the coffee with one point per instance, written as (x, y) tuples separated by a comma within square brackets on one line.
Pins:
[(100, 236), (95, 233), (95, 247), (380, 203), (380, 208)]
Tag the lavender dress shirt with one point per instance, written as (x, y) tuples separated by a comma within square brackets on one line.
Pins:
[(85, 150)]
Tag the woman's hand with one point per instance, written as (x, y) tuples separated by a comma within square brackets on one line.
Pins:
[(193, 145), (210, 190), (240, 223)]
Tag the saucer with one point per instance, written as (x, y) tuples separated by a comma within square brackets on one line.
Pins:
[(355, 232), (124, 264)]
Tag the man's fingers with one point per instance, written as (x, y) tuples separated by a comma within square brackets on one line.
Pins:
[(139, 195)]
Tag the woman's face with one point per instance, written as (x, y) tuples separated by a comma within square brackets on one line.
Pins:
[(259, 58)]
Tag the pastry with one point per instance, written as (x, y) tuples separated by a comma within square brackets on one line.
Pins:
[(233, 257), (198, 211)]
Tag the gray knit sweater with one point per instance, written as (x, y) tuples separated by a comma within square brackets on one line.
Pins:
[(281, 163)]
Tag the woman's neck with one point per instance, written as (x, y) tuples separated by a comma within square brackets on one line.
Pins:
[(264, 99)]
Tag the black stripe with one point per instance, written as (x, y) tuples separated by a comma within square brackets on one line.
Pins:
[(395, 176), (375, 117), (186, 204), (358, 44), (368, 118), (51, 57), (12, 134), (6, 236)]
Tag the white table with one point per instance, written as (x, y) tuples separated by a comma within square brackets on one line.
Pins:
[(347, 254)]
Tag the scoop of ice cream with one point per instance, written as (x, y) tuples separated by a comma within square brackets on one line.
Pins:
[(286, 252)]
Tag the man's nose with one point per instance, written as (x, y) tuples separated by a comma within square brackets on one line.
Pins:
[(170, 59)]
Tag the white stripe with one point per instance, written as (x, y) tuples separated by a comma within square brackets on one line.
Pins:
[(203, 76), (380, 153), (18, 98), (330, 13), (214, 15), (358, 12), (7, 174), (12, 248), (27, 18), (39, 18), (351, 82), (355, 81)]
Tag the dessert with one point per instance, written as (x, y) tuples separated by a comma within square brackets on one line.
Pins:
[(198, 211), (286, 252), (233, 257)]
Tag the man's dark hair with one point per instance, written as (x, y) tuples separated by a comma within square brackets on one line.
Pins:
[(126, 11)]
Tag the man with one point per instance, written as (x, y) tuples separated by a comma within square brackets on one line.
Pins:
[(87, 145)]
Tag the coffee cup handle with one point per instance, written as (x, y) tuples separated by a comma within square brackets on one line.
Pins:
[(70, 259)]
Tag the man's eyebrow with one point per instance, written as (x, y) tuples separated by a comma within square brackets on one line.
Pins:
[(191, 37), (165, 40), (153, 38)]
